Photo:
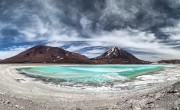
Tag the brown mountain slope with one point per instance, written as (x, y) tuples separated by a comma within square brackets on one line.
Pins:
[(47, 54)]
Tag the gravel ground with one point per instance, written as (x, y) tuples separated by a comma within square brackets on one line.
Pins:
[(28, 94), (167, 98)]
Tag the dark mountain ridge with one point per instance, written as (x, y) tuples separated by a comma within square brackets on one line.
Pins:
[(47, 54), (117, 56), (173, 61)]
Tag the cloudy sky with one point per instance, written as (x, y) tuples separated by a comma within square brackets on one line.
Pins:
[(150, 29)]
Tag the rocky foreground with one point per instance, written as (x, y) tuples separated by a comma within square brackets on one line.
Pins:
[(165, 99)]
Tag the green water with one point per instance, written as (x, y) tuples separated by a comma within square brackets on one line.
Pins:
[(91, 73)]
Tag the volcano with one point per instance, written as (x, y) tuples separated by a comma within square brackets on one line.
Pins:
[(117, 56), (47, 54)]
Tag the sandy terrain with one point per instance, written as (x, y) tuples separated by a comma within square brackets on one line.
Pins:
[(145, 92)]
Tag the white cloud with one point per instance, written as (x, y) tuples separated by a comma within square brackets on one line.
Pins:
[(3, 25), (113, 7), (12, 51), (94, 53), (173, 31), (73, 48), (127, 38), (53, 31), (55, 44), (85, 23), (137, 41)]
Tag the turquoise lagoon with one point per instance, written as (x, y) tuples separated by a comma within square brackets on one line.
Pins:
[(98, 74)]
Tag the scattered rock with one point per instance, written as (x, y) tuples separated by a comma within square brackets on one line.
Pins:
[(77, 108)]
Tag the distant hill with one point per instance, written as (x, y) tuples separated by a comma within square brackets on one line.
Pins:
[(117, 56), (175, 61), (47, 54)]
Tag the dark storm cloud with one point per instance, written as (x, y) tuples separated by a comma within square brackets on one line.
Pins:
[(103, 14), (117, 14)]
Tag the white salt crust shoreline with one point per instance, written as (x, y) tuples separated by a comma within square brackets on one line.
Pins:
[(17, 85)]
